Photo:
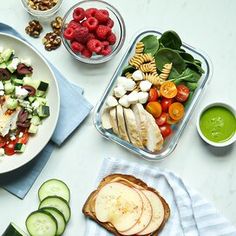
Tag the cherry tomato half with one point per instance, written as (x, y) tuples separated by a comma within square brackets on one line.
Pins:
[(10, 148), (182, 93), (153, 95), (165, 130), (154, 108), (162, 119), (176, 111), (168, 89), (165, 103), (24, 139)]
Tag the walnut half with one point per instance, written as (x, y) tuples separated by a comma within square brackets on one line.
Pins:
[(51, 41), (34, 29)]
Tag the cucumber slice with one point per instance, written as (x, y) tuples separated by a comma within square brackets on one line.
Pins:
[(40, 223), (13, 230), (61, 222), (54, 187), (58, 203)]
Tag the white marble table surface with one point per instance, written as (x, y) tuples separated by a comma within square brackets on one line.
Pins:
[(205, 24)]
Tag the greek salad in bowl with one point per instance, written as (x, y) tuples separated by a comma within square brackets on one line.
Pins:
[(23, 102)]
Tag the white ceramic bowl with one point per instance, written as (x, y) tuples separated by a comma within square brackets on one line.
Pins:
[(216, 144), (41, 70)]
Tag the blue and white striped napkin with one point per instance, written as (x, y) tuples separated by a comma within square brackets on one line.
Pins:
[(191, 215)]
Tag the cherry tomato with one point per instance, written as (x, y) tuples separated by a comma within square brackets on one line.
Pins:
[(170, 121), (165, 103), (161, 120), (165, 130), (9, 148), (2, 141), (153, 95), (176, 111), (168, 89), (154, 108), (182, 93), (24, 139)]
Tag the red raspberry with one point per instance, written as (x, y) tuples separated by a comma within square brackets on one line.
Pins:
[(91, 23), (76, 47), (102, 16), (103, 31), (69, 33), (86, 53), (94, 45), (109, 23), (106, 50), (111, 38), (90, 36), (73, 24), (81, 34), (78, 14), (90, 12), (105, 43)]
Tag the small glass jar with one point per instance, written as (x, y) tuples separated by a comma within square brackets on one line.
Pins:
[(42, 14)]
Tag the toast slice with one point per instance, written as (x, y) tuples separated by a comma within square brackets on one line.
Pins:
[(121, 123), (141, 121), (132, 128), (113, 121), (154, 138), (89, 206)]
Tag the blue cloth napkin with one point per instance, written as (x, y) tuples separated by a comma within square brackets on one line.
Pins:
[(190, 214), (19, 182)]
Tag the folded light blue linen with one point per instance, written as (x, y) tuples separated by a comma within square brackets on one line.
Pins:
[(19, 182)]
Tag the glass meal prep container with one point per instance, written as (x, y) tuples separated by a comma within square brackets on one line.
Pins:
[(171, 141)]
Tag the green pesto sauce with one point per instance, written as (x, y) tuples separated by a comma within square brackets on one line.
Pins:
[(218, 124)]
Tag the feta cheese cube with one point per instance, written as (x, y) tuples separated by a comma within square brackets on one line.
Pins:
[(145, 85), (129, 85), (1, 92), (133, 97), (137, 75), (121, 80), (1, 86), (123, 101), (111, 101), (119, 91), (142, 97), (13, 65), (26, 61), (20, 93)]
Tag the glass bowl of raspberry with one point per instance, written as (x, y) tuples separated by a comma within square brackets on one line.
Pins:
[(93, 31)]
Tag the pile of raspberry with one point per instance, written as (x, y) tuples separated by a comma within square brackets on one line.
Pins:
[(90, 32)]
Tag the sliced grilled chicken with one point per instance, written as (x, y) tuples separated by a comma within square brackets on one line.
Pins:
[(141, 121), (113, 120), (154, 137), (106, 122), (121, 123), (132, 128)]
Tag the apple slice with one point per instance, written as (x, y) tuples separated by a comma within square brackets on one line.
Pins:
[(158, 213), (118, 204), (144, 219)]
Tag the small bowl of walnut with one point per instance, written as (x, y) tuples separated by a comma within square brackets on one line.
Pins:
[(42, 9)]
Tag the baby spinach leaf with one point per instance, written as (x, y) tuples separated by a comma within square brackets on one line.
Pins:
[(173, 74), (191, 86), (129, 69), (186, 56), (151, 44), (196, 61), (166, 55), (170, 39), (195, 67)]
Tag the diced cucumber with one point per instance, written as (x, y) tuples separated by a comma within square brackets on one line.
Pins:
[(35, 120), (59, 203), (43, 111), (3, 65), (7, 54), (32, 82), (54, 187), (43, 86), (42, 101), (9, 88), (17, 82), (41, 223), (19, 147), (61, 222), (31, 98), (13, 230), (33, 129), (12, 65), (40, 93), (11, 103)]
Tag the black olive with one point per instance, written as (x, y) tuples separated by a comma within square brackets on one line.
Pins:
[(4, 74)]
